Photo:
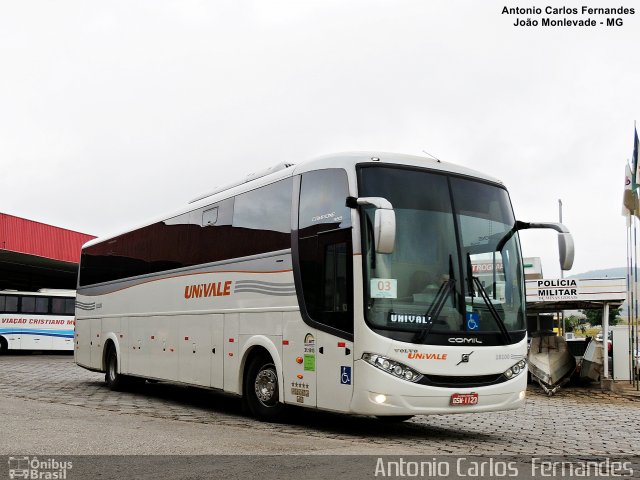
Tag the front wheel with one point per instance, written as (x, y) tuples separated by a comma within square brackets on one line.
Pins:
[(4, 346), (261, 389)]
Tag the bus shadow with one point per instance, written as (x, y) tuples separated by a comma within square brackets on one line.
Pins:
[(372, 428), (211, 402)]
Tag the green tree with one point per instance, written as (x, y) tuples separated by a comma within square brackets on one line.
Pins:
[(571, 323), (594, 316)]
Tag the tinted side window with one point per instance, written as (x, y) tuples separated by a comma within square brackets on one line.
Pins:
[(63, 306), (28, 305), (180, 241), (323, 201), (325, 249), (70, 306), (11, 304), (57, 305), (42, 305), (262, 220), (254, 222)]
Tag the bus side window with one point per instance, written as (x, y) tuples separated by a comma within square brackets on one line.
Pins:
[(264, 214), (42, 305), (57, 305), (11, 304), (70, 306), (324, 248), (28, 305)]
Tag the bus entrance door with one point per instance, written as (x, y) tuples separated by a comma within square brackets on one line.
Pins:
[(335, 372)]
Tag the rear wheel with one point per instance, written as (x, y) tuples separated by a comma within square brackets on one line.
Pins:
[(261, 389), (4, 346), (113, 379)]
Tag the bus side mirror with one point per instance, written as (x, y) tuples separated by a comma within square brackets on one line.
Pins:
[(565, 240), (384, 230), (384, 224), (565, 246)]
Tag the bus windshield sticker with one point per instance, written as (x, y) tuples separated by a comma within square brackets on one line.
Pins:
[(408, 318), (473, 321), (309, 362), (384, 288), (309, 343), (309, 353)]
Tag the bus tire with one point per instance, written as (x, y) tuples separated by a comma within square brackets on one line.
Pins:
[(261, 389), (113, 379), (394, 418), (4, 346)]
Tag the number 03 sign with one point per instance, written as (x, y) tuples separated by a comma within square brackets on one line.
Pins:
[(384, 288)]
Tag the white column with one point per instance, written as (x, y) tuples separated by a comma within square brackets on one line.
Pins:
[(605, 339)]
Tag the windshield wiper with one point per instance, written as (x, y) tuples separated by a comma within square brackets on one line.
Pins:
[(434, 309), (492, 309), (471, 281)]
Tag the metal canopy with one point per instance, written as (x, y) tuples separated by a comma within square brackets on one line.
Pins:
[(550, 307)]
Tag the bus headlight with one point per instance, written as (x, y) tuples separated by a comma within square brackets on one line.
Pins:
[(515, 369), (396, 369)]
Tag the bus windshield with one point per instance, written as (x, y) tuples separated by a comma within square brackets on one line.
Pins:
[(456, 267)]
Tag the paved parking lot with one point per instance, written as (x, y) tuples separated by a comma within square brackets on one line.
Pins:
[(50, 405)]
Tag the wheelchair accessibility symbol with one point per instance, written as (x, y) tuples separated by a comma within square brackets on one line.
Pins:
[(345, 375), (473, 321)]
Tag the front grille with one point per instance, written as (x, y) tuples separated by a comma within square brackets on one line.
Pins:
[(462, 381)]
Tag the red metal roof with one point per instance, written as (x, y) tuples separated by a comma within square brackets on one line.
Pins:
[(35, 238)]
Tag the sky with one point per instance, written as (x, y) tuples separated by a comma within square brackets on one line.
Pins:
[(112, 113)]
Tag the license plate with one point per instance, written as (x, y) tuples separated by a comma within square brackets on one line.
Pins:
[(464, 399)]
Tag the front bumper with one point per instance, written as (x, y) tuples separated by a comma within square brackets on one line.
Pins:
[(407, 398)]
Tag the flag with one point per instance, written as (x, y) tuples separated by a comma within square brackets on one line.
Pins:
[(634, 160), (628, 199)]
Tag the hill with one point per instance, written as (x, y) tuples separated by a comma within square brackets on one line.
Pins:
[(618, 272)]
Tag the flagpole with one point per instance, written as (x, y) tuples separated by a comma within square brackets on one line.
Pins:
[(634, 287), (634, 328), (635, 276), (629, 291), (635, 176)]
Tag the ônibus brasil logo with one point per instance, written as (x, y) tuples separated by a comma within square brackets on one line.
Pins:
[(35, 468)]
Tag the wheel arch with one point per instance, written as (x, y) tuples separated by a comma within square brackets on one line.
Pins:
[(260, 345), (111, 341)]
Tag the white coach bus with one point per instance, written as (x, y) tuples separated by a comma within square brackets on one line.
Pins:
[(349, 283), (41, 320)]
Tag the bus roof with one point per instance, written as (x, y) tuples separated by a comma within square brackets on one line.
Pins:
[(349, 160), (346, 160)]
